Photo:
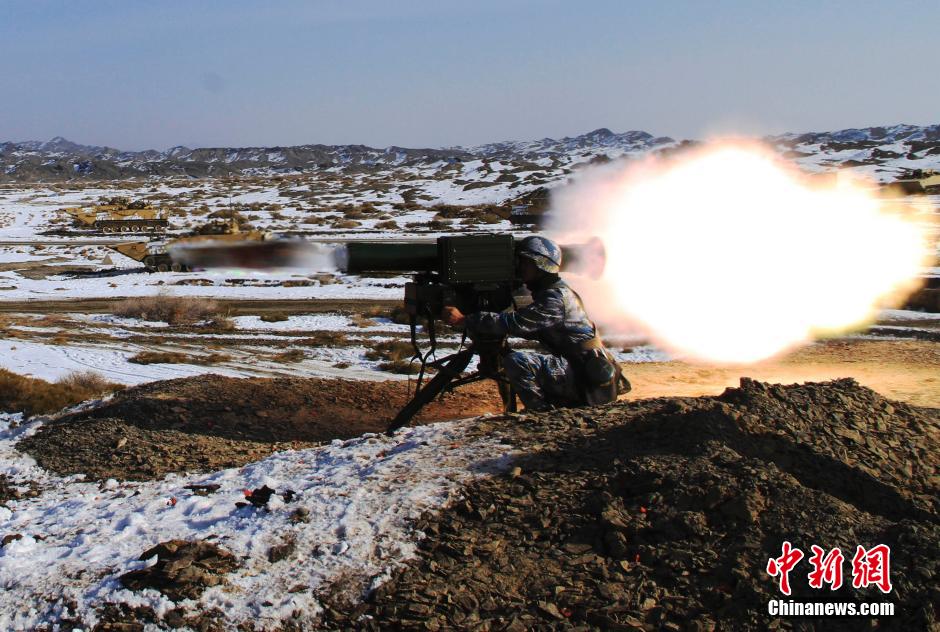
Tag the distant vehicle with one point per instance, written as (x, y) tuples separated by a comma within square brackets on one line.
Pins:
[(119, 215), (919, 181), (156, 257), (529, 208)]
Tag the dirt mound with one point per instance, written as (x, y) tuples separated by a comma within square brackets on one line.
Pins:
[(662, 514), (113, 448), (211, 422)]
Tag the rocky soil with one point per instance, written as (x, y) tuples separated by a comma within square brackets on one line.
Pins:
[(212, 422), (661, 514), (654, 514), (9, 491)]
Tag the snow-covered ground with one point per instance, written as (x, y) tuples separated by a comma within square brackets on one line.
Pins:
[(36, 351), (55, 361), (906, 314), (362, 498), (59, 261), (216, 284), (90, 268)]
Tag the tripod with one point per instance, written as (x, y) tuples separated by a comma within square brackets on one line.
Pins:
[(450, 376)]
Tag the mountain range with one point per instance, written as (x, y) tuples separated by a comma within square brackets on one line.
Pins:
[(880, 152)]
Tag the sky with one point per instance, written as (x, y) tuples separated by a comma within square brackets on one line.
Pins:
[(435, 73)]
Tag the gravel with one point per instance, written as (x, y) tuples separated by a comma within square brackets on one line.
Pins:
[(662, 514)]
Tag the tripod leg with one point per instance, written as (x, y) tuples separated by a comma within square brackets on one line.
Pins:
[(445, 375), (508, 395)]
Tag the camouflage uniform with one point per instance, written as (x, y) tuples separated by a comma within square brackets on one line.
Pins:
[(556, 318)]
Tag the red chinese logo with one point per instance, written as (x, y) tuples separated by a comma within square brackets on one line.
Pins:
[(826, 570), (869, 567), (872, 567), (783, 565)]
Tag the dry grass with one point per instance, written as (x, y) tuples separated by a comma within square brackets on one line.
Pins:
[(50, 320), (228, 214), (399, 315), (358, 320), (88, 381), (347, 223), (485, 213), (376, 311), (357, 211), (33, 396), (405, 367), (220, 324), (274, 317), (161, 357), (392, 350), (324, 339), (294, 355), (175, 310)]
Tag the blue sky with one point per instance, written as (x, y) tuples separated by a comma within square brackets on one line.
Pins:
[(135, 75)]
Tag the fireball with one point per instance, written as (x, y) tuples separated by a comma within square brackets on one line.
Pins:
[(729, 255)]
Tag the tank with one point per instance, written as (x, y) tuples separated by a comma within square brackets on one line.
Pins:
[(119, 215)]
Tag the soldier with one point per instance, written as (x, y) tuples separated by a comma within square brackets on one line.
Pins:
[(578, 370)]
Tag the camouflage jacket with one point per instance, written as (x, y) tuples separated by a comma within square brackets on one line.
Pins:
[(556, 318)]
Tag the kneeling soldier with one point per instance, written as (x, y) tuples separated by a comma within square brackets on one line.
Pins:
[(578, 370)]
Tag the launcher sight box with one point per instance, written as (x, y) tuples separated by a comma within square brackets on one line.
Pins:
[(472, 272)]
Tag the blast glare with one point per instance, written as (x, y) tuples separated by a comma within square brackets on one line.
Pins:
[(728, 255)]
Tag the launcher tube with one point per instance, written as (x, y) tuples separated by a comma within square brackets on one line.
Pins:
[(377, 256)]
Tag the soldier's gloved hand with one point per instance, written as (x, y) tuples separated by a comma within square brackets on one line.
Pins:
[(452, 316)]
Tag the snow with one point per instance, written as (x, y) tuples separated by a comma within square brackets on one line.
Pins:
[(363, 496), (52, 362), (257, 285), (906, 314), (119, 321), (9, 255), (642, 353), (316, 322)]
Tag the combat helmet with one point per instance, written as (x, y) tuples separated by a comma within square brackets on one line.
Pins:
[(543, 251)]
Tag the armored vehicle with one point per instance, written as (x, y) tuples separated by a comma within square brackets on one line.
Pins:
[(119, 215), (919, 181)]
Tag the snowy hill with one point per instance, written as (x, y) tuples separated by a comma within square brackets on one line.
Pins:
[(880, 152), (599, 140)]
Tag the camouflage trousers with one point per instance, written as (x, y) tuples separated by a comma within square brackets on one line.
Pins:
[(542, 380)]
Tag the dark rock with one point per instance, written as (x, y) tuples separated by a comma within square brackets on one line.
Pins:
[(11, 537), (281, 551), (183, 569)]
